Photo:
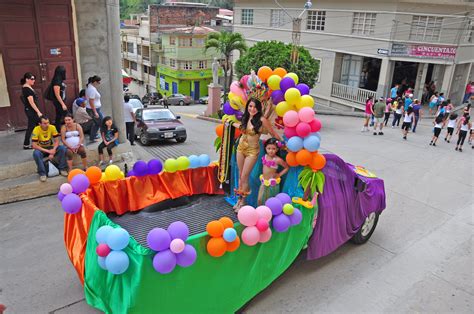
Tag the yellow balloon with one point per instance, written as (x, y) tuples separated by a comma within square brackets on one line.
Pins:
[(122, 175), (183, 163), (274, 82), (292, 96), (231, 118), (103, 177), (282, 108), (235, 101), (112, 172), (305, 101), (171, 165), (293, 76)]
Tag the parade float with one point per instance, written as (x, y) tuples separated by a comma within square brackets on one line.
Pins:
[(164, 237)]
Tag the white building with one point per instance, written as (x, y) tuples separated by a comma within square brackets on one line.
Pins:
[(366, 46)]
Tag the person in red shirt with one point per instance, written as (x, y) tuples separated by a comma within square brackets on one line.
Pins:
[(469, 92), (368, 113)]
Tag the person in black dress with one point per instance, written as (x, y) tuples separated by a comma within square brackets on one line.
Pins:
[(58, 89), (31, 102)]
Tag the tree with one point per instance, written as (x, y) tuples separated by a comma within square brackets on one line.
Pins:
[(278, 54), (225, 43)]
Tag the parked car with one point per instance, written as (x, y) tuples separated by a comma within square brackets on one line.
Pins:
[(136, 104), (179, 99), (152, 98), (203, 100), (158, 124), (133, 96)]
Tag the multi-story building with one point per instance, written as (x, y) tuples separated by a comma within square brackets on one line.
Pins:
[(367, 46)]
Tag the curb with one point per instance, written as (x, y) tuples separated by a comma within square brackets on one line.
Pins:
[(208, 119)]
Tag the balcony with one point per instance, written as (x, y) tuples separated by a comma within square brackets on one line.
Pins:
[(352, 94)]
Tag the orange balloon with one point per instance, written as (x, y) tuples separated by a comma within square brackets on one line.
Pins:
[(226, 222), (280, 72), (303, 157), (220, 130), (237, 133), (215, 228), (318, 162), (234, 245), (264, 73), (94, 174), (216, 247), (291, 159), (75, 172)]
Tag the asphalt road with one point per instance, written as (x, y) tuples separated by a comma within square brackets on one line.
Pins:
[(418, 260)]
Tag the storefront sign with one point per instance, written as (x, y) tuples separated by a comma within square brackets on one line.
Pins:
[(423, 51)]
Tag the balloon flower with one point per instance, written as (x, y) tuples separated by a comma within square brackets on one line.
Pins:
[(284, 214), (224, 237), (257, 223), (111, 256)]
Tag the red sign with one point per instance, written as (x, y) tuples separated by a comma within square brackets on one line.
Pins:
[(433, 51)]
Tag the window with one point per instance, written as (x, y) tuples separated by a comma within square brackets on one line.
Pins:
[(152, 71), (363, 23), (172, 41), (278, 18), (187, 65), (316, 20), (199, 42), (173, 63), (139, 50), (130, 47), (247, 17), (133, 65), (202, 65), (145, 69), (425, 28), (163, 60), (185, 42), (469, 31), (124, 46)]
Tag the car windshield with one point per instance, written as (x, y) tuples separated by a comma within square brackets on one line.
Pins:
[(135, 104), (158, 115), (178, 95)]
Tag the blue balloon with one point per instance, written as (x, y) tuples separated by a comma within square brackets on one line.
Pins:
[(101, 261), (295, 144), (317, 134), (193, 161), (204, 160), (118, 239), (230, 235), (117, 262), (312, 143), (102, 233)]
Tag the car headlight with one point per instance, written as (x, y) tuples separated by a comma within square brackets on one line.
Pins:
[(180, 128), (152, 130)]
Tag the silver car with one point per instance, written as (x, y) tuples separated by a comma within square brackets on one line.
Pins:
[(179, 99)]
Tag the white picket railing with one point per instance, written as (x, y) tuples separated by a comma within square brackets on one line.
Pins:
[(357, 95)]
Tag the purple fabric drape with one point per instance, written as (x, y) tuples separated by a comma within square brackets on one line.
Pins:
[(342, 209)]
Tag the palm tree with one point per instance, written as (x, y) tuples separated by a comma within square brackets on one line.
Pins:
[(225, 43)]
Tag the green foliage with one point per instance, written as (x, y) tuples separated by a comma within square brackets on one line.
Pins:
[(278, 54), (218, 143), (308, 179)]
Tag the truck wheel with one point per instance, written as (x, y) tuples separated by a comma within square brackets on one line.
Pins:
[(365, 232)]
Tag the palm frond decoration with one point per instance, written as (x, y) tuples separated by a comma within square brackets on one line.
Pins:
[(311, 181), (218, 143)]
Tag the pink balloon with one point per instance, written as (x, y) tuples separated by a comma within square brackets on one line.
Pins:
[(237, 90), (265, 235), (102, 250), (244, 80), (291, 118), (315, 125), (177, 246), (262, 224), (290, 132), (65, 188), (303, 129), (264, 212), (306, 114), (250, 235), (247, 216)]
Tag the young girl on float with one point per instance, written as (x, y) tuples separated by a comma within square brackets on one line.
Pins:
[(270, 177), (452, 122), (438, 125)]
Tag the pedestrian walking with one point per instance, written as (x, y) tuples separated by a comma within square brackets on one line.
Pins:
[(130, 119), (407, 121), (438, 126), (433, 102), (368, 113), (452, 122), (31, 102), (463, 128), (109, 134), (58, 95), (408, 101), (417, 111), (388, 110), (165, 101), (379, 112), (398, 114)]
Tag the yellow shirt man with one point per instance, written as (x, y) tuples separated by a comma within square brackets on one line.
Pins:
[(44, 138)]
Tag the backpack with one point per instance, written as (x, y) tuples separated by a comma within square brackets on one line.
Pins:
[(48, 93)]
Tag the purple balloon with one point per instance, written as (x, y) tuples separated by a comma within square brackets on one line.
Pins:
[(187, 257), (155, 166), (281, 223), (60, 196), (286, 83), (71, 203), (239, 114), (158, 239), (130, 173), (178, 230), (296, 217), (277, 96), (284, 198), (227, 108), (80, 183), (303, 88), (164, 262), (275, 205), (140, 168)]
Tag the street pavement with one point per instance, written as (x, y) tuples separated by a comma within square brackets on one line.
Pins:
[(419, 258)]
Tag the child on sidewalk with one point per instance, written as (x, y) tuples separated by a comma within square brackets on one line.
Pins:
[(109, 134)]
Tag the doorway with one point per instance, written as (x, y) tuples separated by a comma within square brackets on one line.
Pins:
[(405, 73)]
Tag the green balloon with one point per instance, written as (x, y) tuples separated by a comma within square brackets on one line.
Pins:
[(288, 209), (183, 163), (171, 165)]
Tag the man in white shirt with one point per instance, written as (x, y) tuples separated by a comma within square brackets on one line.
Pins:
[(129, 118)]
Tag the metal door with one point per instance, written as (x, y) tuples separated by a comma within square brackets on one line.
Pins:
[(196, 90)]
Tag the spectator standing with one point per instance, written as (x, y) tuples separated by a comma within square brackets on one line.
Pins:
[(398, 113), (408, 101), (468, 92), (407, 121), (368, 113), (31, 102), (394, 91), (75, 105), (417, 111), (463, 128), (433, 102), (438, 125), (58, 89), (164, 100), (109, 134), (94, 104), (73, 138), (379, 112), (129, 118), (388, 109), (85, 120)]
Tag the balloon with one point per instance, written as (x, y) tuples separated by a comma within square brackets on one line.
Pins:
[(171, 165), (274, 82), (264, 73), (293, 76), (250, 235), (118, 239), (247, 216), (281, 223), (282, 108), (303, 129), (154, 166), (280, 72), (187, 257), (193, 162), (244, 80), (112, 172), (73, 173), (60, 196), (262, 224), (264, 212), (158, 239), (229, 118), (71, 203), (290, 132), (294, 144), (94, 174), (216, 247), (311, 143), (101, 262), (306, 114), (232, 246), (220, 130), (292, 96), (183, 163), (140, 168), (117, 262), (236, 89), (291, 118), (277, 96), (291, 159), (318, 162), (122, 175), (103, 177), (315, 125), (227, 109), (265, 235), (275, 205), (317, 134), (178, 230), (215, 228), (305, 101), (102, 250), (239, 115), (286, 83), (226, 222), (130, 173), (204, 160), (80, 183), (230, 235), (164, 262), (284, 198), (102, 233), (65, 188), (233, 101), (177, 246), (303, 88), (296, 217), (288, 209), (303, 157)]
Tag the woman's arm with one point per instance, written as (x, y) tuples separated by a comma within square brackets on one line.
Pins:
[(63, 136), (102, 134), (115, 137), (268, 126), (57, 94), (285, 166), (33, 105), (91, 103)]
